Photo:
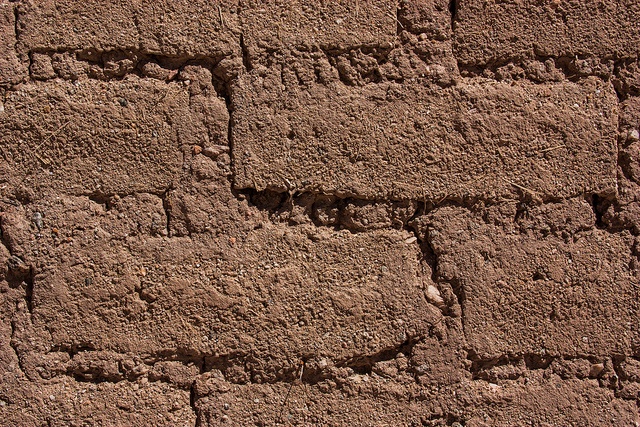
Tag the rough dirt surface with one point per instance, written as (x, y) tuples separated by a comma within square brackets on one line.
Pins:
[(355, 213)]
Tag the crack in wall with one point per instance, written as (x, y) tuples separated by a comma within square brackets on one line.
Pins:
[(166, 206), (608, 371), (16, 28), (85, 365), (13, 343), (112, 65), (246, 58), (453, 10), (19, 275)]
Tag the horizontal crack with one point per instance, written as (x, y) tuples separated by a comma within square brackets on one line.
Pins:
[(607, 370)]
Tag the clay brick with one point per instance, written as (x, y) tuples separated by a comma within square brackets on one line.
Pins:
[(181, 28), (498, 32), (292, 298), (627, 79), (329, 25), (69, 25), (544, 401), (189, 28), (97, 137), (11, 69), (65, 401), (413, 141), (430, 17), (627, 212), (259, 404), (527, 294), (476, 403)]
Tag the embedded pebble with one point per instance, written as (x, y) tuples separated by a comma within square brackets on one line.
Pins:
[(215, 150), (37, 220), (433, 295), (16, 264), (596, 369)]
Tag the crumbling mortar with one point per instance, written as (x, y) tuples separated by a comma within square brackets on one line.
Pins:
[(478, 367), (564, 64), (14, 346)]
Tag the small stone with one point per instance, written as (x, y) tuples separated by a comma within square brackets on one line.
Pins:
[(172, 74), (52, 397), (596, 369), (197, 149), (37, 220), (634, 135), (433, 296), (411, 240), (123, 102), (215, 150), (225, 406), (17, 265)]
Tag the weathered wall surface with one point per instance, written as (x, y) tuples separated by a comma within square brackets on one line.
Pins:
[(362, 213)]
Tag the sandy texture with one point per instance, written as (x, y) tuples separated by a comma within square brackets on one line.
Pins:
[(355, 213)]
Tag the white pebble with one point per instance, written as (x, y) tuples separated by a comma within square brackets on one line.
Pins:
[(433, 295)]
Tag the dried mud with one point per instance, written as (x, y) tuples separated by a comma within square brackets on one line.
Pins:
[(367, 213)]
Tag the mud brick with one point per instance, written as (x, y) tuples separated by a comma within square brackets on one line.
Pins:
[(190, 28), (280, 291), (96, 137), (266, 404), (544, 401), (429, 17), (481, 138), (328, 25), (64, 401), (523, 293), (497, 32), (11, 69), (181, 28), (68, 25)]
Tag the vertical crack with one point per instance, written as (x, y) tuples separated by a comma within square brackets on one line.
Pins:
[(246, 60), (227, 98), (600, 205), (399, 26), (13, 344), (28, 291), (166, 206), (453, 9), (192, 402), (16, 25)]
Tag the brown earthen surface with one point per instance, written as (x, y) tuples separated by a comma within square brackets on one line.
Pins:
[(355, 213)]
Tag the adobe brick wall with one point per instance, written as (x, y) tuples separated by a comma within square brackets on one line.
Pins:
[(360, 213)]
